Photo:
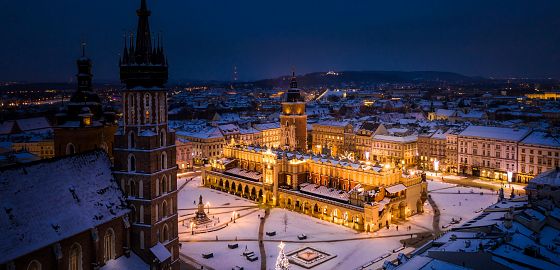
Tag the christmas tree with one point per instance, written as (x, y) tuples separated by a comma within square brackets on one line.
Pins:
[(282, 262)]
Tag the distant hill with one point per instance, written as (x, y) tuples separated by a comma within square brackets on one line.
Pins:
[(366, 77)]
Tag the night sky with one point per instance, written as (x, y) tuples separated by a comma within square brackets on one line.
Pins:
[(204, 39)]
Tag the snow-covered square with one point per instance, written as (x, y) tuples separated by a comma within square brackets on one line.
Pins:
[(247, 223)]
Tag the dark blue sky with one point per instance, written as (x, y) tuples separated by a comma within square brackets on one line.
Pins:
[(205, 39)]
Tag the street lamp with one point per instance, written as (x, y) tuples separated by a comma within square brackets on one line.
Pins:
[(192, 228), (208, 207), (436, 165), (234, 214)]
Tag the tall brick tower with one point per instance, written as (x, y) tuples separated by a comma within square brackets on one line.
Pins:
[(293, 120), (144, 150)]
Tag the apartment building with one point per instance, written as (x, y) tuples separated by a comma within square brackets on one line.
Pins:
[(538, 152), (490, 151)]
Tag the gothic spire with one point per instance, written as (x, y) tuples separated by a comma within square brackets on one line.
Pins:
[(293, 82), (143, 36)]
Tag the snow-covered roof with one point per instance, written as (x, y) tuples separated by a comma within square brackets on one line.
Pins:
[(395, 188), (445, 112), (549, 178), (126, 263), (50, 200), (33, 123), (266, 126), (541, 138), (332, 123), (256, 176), (324, 191), (405, 139), (498, 133), (203, 134), (160, 252)]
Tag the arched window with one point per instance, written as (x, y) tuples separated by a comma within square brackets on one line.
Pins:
[(163, 160), (157, 187), (109, 245), (133, 214), (164, 209), (157, 212), (70, 149), (163, 184), (148, 108), (169, 184), (162, 138), (131, 118), (165, 232), (131, 138), (141, 215), (170, 206), (131, 163), (140, 189), (34, 265), (131, 188), (75, 258), (141, 239)]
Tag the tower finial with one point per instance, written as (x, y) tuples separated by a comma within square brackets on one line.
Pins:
[(83, 49), (293, 82)]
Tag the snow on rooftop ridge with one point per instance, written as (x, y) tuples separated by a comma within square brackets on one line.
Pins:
[(550, 178), (126, 263), (76, 193), (541, 138), (160, 252), (499, 133)]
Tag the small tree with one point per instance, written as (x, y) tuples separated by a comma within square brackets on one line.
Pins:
[(285, 220), (282, 262)]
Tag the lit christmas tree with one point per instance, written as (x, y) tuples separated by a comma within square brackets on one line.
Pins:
[(282, 262)]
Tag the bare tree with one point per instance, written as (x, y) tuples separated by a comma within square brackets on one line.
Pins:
[(285, 220)]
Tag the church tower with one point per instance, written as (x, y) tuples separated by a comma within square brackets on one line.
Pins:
[(145, 149), (293, 120)]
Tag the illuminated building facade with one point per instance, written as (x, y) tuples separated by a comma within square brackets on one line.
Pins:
[(293, 120)]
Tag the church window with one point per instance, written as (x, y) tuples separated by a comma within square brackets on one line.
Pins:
[(34, 265), (131, 163), (75, 258), (109, 245), (70, 149)]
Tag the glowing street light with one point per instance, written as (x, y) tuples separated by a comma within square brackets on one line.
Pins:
[(367, 155), (208, 207), (509, 176), (234, 214), (436, 165), (192, 228)]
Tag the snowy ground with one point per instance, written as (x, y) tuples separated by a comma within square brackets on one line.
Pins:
[(459, 203), (352, 249)]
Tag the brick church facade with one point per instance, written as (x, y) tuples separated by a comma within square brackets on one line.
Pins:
[(86, 209)]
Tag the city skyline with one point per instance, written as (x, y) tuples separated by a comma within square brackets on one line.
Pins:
[(206, 40)]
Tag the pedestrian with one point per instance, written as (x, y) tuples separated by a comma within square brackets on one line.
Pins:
[(397, 228), (216, 238), (194, 202)]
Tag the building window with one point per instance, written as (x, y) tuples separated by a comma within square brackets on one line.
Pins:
[(163, 160), (70, 149), (131, 142), (131, 163), (142, 240), (109, 245), (140, 189), (75, 258), (34, 265), (165, 232), (162, 138)]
